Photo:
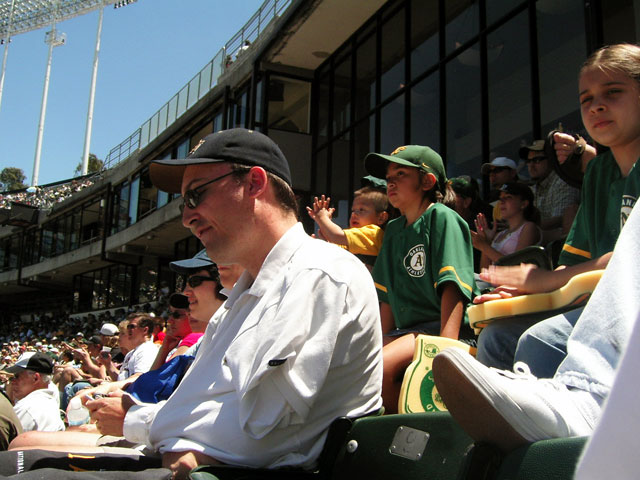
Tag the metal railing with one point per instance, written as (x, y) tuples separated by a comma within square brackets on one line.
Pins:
[(200, 84)]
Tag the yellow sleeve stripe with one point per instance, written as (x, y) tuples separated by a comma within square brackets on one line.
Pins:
[(380, 287), (576, 251), (452, 269)]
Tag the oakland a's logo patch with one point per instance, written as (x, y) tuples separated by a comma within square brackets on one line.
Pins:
[(414, 262), (627, 205)]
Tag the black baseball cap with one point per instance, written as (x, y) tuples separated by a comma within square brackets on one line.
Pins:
[(179, 301), (38, 362), (237, 145), (199, 261), (94, 340)]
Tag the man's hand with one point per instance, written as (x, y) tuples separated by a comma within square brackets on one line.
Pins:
[(181, 463), (108, 412)]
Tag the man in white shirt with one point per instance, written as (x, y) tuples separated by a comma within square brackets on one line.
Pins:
[(36, 405), (296, 345), (143, 351)]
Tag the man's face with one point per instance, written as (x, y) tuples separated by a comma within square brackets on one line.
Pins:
[(538, 166), (217, 219), (498, 176), (137, 335), (23, 383)]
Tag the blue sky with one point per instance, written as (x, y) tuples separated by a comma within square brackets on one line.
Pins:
[(149, 50)]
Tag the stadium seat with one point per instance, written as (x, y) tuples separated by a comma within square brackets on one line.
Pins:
[(418, 392), (412, 446)]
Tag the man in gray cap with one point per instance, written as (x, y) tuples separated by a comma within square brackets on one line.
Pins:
[(297, 343), (35, 404)]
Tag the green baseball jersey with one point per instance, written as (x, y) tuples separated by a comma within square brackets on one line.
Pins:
[(416, 259), (606, 201)]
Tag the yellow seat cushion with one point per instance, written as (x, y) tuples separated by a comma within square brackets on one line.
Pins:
[(574, 294)]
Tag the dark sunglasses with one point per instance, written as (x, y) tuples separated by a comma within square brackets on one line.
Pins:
[(196, 280), (177, 314), (132, 326), (192, 197)]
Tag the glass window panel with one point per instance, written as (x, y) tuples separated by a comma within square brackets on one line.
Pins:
[(217, 122), (364, 143), (92, 220), (392, 125), (342, 95), (365, 77), (509, 74), (153, 127), (393, 54), (162, 118), (205, 79), (148, 195), (424, 35), (194, 86), (148, 277), (144, 133), (241, 114), (425, 112), (496, 9), (464, 108), (462, 17), (134, 200), (323, 108), (340, 185), (122, 212), (183, 149), (561, 51), (322, 168), (289, 101), (257, 118), (172, 109), (98, 296), (182, 100)]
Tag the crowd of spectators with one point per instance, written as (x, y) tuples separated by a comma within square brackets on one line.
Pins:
[(44, 197)]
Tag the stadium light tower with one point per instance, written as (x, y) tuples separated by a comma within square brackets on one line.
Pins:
[(22, 16), (53, 39)]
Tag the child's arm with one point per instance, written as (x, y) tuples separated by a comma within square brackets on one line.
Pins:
[(321, 213), (451, 311)]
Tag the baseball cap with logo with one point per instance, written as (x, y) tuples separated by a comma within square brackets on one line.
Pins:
[(500, 162), (417, 156), (237, 145), (38, 362)]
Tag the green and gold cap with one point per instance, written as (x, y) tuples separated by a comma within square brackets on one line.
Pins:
[(416, 156)]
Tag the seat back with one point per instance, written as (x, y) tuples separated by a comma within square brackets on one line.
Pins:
[(409, 446), (418, 392), (554, 459)]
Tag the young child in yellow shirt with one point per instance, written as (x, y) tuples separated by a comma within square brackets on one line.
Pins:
[(368, 216)]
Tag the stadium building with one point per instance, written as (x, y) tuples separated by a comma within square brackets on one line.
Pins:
[(329, 81)]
